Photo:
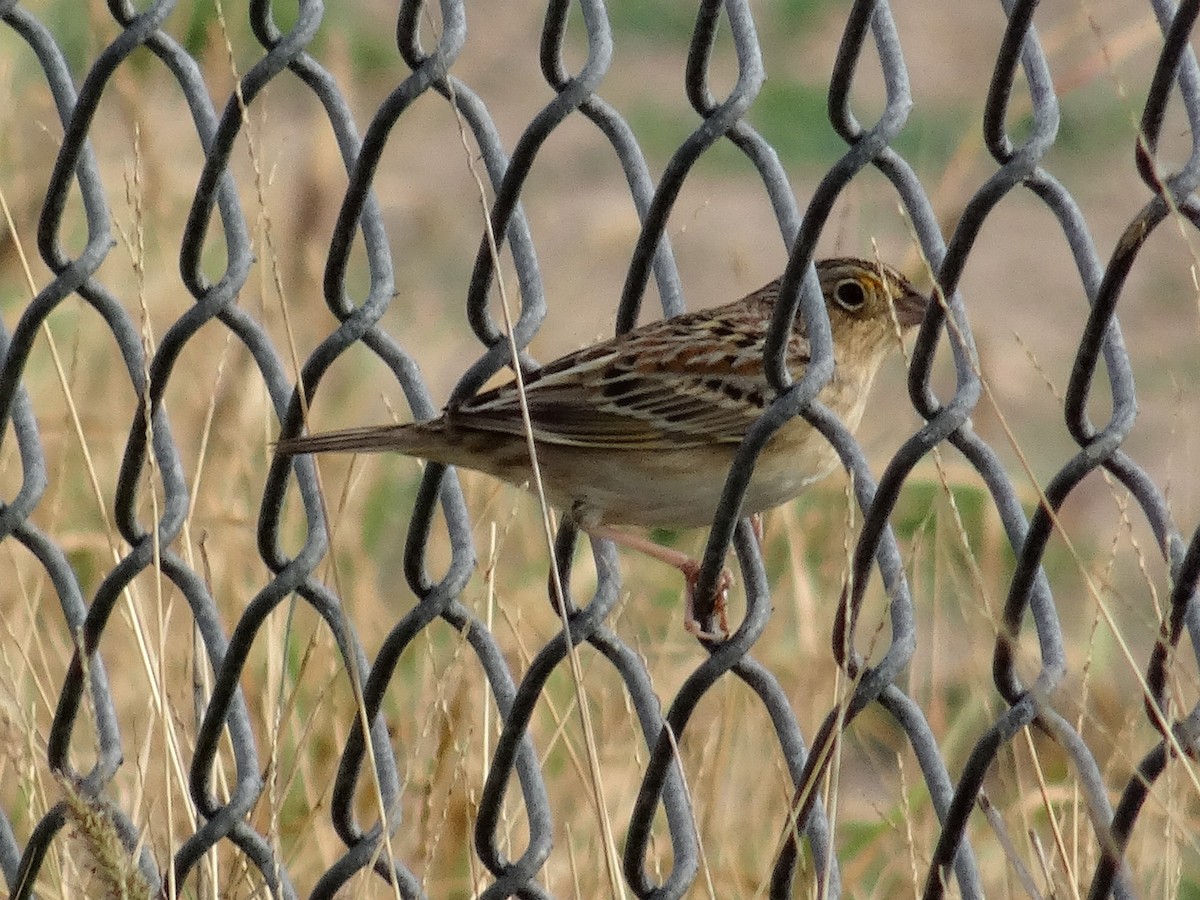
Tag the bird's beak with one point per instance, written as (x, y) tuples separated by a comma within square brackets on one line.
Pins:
[(910, 308)]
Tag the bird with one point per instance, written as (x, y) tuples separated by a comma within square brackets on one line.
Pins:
[(641, 429)]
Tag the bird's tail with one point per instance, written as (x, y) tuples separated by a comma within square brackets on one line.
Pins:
[(418, 439)]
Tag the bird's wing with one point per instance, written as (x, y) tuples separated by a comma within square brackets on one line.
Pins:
[(692, 380)]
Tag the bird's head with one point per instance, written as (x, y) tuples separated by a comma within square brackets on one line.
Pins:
[(866, 302)]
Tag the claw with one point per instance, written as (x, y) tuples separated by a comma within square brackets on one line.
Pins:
[(691, 575)]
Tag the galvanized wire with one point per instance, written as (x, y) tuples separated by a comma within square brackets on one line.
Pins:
[(1020, 66)]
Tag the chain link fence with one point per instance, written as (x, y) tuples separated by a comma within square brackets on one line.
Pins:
[(244, 828)]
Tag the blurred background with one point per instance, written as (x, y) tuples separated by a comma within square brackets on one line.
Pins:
[(1026, 308)]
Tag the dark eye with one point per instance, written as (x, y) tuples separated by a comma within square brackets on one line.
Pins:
[(849, 295)]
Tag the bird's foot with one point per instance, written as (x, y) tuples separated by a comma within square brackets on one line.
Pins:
[(691, 575)]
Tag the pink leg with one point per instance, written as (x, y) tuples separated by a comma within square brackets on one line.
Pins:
[(691, 574), (756, 526)]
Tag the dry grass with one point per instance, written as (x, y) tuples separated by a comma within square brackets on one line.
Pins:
[(1109, 584)]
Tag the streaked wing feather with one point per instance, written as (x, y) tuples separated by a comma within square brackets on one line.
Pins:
[(606, 396)]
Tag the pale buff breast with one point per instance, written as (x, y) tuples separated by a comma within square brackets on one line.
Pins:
[(666, 487), (680, 487)]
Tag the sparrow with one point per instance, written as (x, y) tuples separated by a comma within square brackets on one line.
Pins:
[(641, 429)]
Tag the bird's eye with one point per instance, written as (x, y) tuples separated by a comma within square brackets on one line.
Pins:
[(849, 295)]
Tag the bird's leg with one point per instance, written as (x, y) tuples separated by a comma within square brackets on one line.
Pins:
[(691, 574)]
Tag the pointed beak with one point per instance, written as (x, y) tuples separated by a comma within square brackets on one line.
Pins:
[(910, 308)]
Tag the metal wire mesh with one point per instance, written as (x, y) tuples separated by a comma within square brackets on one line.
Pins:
[(152, 494)]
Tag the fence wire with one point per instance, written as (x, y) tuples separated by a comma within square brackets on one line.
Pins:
[(86, 724)]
